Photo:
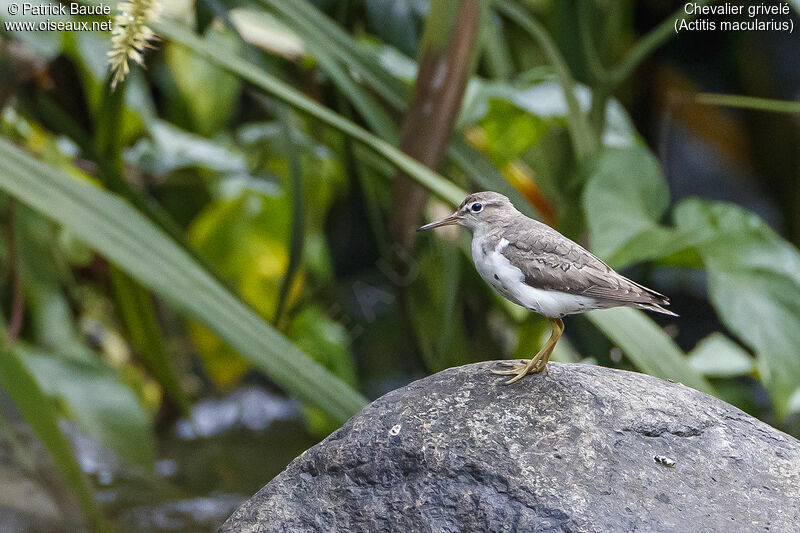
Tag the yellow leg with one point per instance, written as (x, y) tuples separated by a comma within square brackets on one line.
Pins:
[(539, 361)]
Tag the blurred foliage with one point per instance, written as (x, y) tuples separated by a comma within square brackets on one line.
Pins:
[(223, 216)]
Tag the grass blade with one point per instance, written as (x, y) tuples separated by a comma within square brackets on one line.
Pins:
[(139, 316), (747, 102), (647, 346), (297, 233), (125, 237), (280, 90), (583, 140), (319, 32), (37, 410)]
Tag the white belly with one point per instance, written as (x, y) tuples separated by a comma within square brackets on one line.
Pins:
[(509, 281)]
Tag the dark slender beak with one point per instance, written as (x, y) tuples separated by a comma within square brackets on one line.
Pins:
[(449, 221)]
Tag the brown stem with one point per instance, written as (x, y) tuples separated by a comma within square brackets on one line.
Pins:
[(444, 67)]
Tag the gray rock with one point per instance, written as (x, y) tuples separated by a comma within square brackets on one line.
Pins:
[(569, 450)]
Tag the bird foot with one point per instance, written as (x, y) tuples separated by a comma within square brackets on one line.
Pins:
[(520, 369)]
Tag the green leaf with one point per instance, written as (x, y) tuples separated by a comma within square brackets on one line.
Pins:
[(394, 22), (330, 44), (794, 402), (754, 284), (125, 237), (96, 400), (328, 343), (753, 274), (748, 102), (384, 73), (647, 346), (139, 316), (170, 148), (717, 356), (623, 200), (224, 58), (208, 93), (543, 97), (297, 233), (325, 340), (37, 411)]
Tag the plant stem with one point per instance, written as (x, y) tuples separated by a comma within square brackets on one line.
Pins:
[(584, 141), (597, 70), (284, 92), (597, 114), (647, 44), (746, 102)]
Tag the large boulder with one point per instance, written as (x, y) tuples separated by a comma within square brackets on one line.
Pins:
[(578, 448)]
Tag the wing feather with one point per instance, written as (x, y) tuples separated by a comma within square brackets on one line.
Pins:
[(551, 261)]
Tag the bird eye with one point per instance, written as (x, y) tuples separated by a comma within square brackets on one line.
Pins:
[(477, 207)]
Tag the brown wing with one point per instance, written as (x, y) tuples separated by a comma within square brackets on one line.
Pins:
[(551, 261)]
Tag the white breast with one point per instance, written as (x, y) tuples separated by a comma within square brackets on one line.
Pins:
[(509, 282)]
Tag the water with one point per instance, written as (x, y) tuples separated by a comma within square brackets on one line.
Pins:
[(205, 469)]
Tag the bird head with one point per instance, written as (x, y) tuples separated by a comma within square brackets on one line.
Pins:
[(477, 210)]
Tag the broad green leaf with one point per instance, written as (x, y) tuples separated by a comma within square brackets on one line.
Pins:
[(246, 239), (263, 30), (121, 234), (96, 400), (754, 284), (647, 346), (544, 98), (623, 200), (754, 275), (37, 411), (170, 148), (325, 340), (717, 356), (509, 133), (208, 93), (328, 343)]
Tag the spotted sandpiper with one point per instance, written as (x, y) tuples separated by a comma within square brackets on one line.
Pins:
[(534, 266)]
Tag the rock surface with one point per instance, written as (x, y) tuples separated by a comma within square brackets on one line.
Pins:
[(568, 450)]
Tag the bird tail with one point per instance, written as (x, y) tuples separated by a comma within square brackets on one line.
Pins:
[(656, 307), (657, 303)]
